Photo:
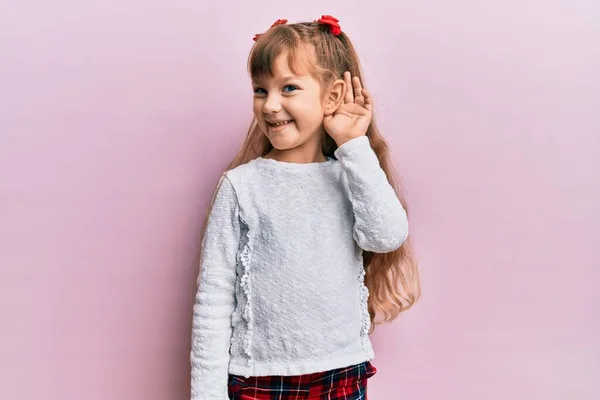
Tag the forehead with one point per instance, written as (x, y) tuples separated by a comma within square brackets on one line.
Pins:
[(286, 66)]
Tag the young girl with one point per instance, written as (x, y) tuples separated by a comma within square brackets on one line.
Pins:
[(306, 237)]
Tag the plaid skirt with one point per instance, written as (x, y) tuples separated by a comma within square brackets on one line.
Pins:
[(347, 383)]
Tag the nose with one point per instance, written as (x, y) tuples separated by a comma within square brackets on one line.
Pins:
[(272, 104)]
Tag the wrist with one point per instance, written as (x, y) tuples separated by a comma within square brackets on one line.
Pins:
[(341, 140)]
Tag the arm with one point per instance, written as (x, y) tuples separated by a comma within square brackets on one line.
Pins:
[(380, 221), (215, 298)]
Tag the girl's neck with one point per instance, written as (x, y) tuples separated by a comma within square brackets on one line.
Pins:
[(303, 154)]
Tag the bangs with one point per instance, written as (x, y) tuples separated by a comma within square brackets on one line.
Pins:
[(280, 41)]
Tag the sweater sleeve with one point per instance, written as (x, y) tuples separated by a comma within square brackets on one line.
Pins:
[(380, 221), (215, 298)]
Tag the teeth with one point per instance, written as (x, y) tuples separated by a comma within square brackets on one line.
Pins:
[(282, 123)]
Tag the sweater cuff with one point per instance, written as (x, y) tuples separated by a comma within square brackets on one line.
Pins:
[(360, 144)]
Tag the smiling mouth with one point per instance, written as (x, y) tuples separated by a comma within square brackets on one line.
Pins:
[(280, 123)]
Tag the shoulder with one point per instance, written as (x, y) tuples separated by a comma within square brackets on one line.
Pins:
[(242, 174)]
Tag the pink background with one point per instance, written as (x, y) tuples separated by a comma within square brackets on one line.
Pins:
[(116, 119)]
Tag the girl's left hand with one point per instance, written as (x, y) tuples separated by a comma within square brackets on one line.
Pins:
[(353, 117)]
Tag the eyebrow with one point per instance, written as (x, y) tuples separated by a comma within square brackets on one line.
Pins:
[(284, 78)]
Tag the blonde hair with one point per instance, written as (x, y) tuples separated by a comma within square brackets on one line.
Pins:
[(392, 278)]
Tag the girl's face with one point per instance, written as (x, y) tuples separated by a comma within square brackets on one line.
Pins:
[(288, 107)]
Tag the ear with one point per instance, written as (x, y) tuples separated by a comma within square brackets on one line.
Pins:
[(335, 96)]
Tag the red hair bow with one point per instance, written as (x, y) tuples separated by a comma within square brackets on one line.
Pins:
[(278, 22), (334, 27)]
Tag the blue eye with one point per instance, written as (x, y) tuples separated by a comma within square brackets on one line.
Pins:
[(286, 89)]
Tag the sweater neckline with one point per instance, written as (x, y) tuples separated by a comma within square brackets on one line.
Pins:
[(295, 166)]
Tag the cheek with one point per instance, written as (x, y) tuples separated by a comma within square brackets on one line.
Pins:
[(311, 113), (316, 110), (256, 107)]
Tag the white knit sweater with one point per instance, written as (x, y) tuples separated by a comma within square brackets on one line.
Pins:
[(281, 287)]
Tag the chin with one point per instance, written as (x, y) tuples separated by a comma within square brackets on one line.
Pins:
[(284, 141), (282, 144)]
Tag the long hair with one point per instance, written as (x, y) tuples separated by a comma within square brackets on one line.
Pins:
[(391, 278)]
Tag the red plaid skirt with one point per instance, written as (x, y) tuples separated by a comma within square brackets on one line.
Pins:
[(348, 383)]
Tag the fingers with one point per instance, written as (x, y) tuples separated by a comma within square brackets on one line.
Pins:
[(355, 93), (349, 97), (368, 99), (358, 95)]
